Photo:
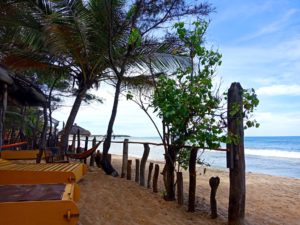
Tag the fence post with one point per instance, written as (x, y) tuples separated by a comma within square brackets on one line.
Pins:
[(155, 178), (237, 190), (192, 184), (143, 164), (149, 175), (129, 162), (78, 150), (137, 170), (125, 158), (214, 184), (179, 188), (86, 143), (92, 159)]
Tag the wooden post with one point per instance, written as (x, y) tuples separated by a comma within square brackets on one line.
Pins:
[(92, 159), (192, 184), (129, 163), (73, 143), (137, 170), (155, 178), (237, 189), (86, 143), (125, 158), (143, 164), (179, 188), (78, 141), (214, 184), (149, 175)]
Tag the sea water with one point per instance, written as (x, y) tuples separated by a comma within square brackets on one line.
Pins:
[(278, 156)]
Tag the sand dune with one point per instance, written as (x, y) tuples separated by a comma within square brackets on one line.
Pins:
[(116, 201)]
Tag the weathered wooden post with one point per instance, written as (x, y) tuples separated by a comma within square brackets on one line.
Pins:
[(137, 170), (78, 150), (179, 188), (143, 164), (235, 156), (125, 158), (214, 184), (149, 175), (155, 178), (86, 143), (73, 143), (129, 163), (192, 183), (92, 159)]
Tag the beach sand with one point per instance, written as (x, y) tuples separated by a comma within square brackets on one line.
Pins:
[(106, 200)]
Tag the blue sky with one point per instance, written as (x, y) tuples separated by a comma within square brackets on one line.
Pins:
[(260, 44)]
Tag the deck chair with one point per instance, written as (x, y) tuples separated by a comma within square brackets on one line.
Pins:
[(19, 155), (15, 173), (45, 204)]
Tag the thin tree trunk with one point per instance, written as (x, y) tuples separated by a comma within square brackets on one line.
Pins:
[(3, 102), (71, 119), (170, 167), (106, 165), (192, 184), (42, 144)]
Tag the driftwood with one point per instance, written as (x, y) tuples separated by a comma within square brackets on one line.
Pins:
[(149, 175), (143, 164), (155, 178), (214, 184)]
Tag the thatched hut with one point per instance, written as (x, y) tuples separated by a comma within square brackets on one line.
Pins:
[(16, 90)]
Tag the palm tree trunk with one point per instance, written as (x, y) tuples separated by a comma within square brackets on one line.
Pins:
[(3, 102), (105, 163), (75, 108)]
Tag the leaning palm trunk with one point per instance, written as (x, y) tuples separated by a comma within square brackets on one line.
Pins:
[(75, 108), (105, 163)]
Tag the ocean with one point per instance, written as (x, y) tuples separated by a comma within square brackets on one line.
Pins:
[(278, 156)]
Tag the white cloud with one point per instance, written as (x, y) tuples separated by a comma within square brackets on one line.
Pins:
[(273, 27), (276, 90), (276, 124)]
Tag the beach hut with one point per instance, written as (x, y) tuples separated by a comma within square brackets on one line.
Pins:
[(19, 91), (76, 128)]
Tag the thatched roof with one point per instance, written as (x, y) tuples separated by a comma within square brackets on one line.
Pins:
[(20, 90), (4, 76), (75, 128)]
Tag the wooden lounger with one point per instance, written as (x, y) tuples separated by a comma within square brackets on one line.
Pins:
[(13, 173), (18, 155), (43, 204)]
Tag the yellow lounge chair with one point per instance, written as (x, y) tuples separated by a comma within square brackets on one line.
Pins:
[(12, 173), (42, 204), (21, 154)]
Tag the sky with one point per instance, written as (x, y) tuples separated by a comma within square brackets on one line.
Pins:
[(260, 44)]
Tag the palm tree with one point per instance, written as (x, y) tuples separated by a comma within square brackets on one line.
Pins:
[(139, 47), (64, 36)]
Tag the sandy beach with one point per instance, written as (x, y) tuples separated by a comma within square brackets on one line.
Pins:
[(116, 201)]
